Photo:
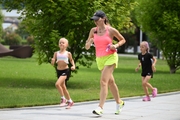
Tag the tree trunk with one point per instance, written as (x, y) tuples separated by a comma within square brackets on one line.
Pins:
[(135, 47), (172, 69)]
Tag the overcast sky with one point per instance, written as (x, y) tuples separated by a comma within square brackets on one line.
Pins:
[(13, 14)]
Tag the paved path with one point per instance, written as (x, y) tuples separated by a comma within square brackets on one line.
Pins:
[(128, 55), (163, 107)]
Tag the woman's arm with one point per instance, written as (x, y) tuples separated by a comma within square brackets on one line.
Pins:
[(115, 33)]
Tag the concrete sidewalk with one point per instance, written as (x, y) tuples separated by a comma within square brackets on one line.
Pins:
[(163, 107)]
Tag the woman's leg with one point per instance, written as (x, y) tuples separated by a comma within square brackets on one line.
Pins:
[(105, 77), (114, 89)]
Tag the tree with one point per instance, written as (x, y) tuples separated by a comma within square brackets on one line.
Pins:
[(22, 31), (49, 20), (1, 28), (161, 21)]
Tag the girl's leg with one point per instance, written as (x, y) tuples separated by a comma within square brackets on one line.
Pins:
[(66, 93), (59, 83), (150, 86), (61, 86), (105, 77), (146, 84)]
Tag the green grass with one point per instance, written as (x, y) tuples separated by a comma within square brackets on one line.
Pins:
[(25, 83)]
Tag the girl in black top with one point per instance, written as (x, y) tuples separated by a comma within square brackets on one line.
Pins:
[(147, 61)]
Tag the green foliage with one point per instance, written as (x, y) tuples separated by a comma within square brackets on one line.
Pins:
[(24, 42), (1, 28), (161, 21), (30, 40), (50, 20), (22, 31), (12, 39), (171, 52), (118, 11)]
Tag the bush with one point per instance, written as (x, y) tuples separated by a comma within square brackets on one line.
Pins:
[(24, 42), (30, 40), (2, 42), (12, 39)]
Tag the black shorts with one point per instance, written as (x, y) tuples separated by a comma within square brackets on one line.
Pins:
[(147, 74), (65, 72)]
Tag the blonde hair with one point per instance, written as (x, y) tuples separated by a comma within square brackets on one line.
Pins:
[(64, 39), (146, 44)]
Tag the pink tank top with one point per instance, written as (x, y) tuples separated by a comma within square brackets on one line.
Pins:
[(102, 43)]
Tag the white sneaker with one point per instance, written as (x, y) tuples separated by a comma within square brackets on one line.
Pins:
[(98, 111), (119, 108)]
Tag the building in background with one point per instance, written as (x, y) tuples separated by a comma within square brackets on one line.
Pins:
[(10, 19)]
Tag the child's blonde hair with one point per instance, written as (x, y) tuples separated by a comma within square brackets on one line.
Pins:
[(65, 40), (146, 44)]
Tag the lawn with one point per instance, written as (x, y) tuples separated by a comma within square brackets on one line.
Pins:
[(25, 83)]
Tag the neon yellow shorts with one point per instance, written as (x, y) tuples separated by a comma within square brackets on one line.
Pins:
[(107, 60)]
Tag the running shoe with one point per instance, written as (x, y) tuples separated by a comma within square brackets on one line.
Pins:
[(146, 98), (98, 111), (63, 102), (119, 108), (69, 105), (154, 93)]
